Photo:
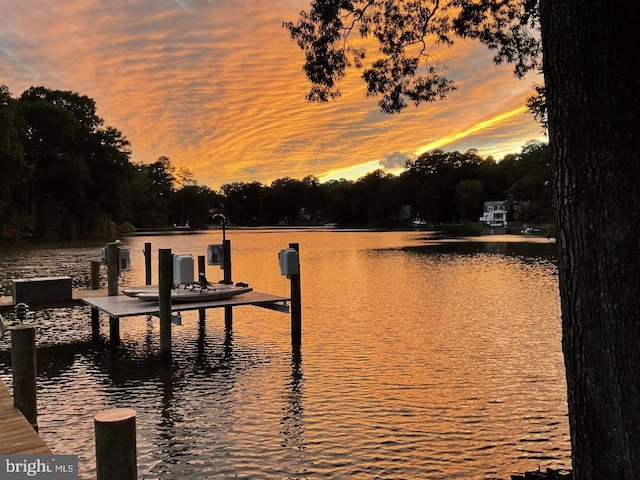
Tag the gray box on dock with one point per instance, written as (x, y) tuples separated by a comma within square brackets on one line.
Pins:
[(42, 289)]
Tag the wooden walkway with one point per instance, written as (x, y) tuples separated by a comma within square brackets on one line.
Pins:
[(16, 435), (7, 303)]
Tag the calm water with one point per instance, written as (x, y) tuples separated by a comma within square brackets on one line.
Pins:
[(421, 358)]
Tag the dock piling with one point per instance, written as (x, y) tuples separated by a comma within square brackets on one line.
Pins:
[(95, 323), (23, 361), (296, 303), (201, 275), (147, 263), (113, 268), (114, 331), (226, 257), (165, 280), (115, 438), (94, 283)]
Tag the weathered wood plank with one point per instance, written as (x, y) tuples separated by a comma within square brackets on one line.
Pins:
[(16, 435)]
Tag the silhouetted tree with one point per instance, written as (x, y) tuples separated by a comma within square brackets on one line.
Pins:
[(588, 50)]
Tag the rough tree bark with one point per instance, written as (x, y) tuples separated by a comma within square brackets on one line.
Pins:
[(591, 50)]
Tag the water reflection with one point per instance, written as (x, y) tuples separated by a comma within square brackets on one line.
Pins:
[(423, 358), (498, 245), (293, 415)]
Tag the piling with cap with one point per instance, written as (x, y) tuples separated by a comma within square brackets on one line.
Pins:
[(115, 437)]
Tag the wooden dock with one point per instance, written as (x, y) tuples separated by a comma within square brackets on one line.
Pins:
[(119, 306), (7, 303), (16, 434)]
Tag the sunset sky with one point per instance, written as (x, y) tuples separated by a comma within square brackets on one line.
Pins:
[(217, 86)]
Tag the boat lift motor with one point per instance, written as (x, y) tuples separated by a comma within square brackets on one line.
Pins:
[(289, 262), (125, 258), (183, 269), (215, 255)]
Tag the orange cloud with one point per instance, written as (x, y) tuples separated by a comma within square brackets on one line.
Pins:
[(218, 88)]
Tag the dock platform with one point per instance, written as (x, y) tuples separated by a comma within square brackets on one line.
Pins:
[(17, 436), (119, 306)]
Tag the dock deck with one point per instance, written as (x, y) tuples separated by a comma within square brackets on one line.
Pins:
[(16, 434), (119, 306)]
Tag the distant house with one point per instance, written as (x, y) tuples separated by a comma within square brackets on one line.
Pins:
[(499, 213)]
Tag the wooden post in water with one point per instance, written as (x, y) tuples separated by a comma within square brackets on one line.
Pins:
[(95, 323), (226, 258), (115, 437), (113, 271), (23, 361), (165, 281), (201, 276), (94, 283), (147, 263), (296, 303), (113, 268), (114, 331)]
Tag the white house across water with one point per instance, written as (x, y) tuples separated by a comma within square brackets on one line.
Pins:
[(498, 213)]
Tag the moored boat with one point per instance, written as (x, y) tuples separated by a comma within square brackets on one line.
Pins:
[(190, 293)]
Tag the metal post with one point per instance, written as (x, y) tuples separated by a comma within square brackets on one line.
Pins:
[(115, 437), (23, 361), (165, 281), (147, 263), (296, 304), (113, 268)]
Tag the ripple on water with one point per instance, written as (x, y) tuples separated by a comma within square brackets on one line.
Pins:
[(417, 362)]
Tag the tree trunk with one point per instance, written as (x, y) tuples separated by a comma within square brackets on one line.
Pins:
[(591, 50)]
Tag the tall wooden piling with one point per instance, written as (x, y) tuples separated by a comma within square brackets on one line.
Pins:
[(226, 265), (23, 361), (95, 323), (115, 437), (147, 263), (114, 331), (94, 283), (165, 280), (113, 268), (201, 276), (113, 272), (296, 303)]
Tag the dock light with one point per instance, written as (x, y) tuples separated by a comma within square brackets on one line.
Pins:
[(21, 310), (223, 219)]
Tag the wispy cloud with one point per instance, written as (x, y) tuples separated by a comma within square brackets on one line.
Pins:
[(217, 86)]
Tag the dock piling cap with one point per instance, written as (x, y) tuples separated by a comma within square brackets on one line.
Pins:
[(114, 415)]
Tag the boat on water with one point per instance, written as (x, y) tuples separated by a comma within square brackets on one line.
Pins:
[(528, 230), (190, 293), (419, 222)]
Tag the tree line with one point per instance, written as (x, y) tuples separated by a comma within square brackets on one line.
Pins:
[(64, 174)]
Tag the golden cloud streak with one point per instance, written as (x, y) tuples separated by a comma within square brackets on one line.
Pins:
[(218, 88)]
